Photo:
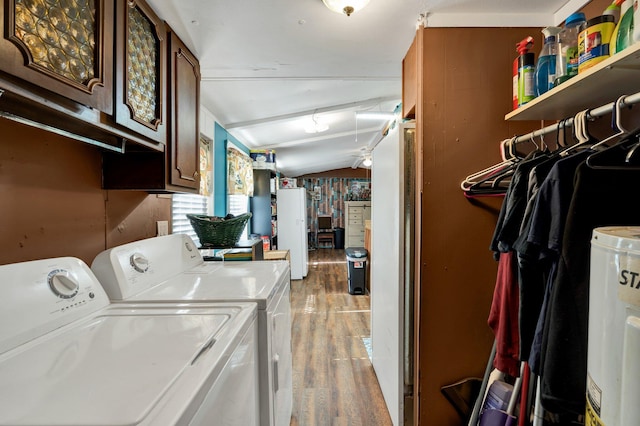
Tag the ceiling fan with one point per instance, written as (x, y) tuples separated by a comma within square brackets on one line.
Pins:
[(363, 157)]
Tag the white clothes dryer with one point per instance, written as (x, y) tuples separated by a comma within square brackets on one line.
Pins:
[(70, 357), (171, 269)]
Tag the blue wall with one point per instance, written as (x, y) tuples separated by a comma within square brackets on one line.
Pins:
[(220, 138)]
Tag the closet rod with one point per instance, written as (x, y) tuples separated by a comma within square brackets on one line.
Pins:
[(593, 113)]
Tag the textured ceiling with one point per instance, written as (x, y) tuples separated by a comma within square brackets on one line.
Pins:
[(270, 66)]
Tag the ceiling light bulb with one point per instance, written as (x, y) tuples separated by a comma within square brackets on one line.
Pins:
[(345, 6), (367, 162), (315, 126)]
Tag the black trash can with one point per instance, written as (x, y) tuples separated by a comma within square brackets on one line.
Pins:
[(357, 269), (339, 238)]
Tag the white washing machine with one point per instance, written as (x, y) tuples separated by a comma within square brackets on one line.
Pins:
[(613, 381), (69, 357), (171, 269)]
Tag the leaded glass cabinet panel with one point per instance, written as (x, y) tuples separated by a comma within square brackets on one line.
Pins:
[(140, 70), (62, 46)]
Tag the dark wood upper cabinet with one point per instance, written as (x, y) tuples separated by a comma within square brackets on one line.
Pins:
[(140, 82), (63, 46), (183, 147), (177, 169), (137, 97)]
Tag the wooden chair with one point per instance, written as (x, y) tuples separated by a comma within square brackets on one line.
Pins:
[(324, 232)]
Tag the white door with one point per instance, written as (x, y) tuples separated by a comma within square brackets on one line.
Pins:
[(387, 295)]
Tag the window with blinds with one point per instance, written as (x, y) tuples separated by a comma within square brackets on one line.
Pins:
[(239, 204), (181, 205)]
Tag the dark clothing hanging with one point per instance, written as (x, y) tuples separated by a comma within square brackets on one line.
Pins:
[(543, 242), (513, 207), (503, 318), (504, 315), (532, 271), (540, 249), (550, 212), (600, 198)]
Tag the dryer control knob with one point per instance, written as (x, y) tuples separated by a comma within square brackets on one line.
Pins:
[(139, 262), (62, 284)]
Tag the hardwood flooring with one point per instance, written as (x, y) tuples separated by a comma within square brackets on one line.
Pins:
[(333, 380)]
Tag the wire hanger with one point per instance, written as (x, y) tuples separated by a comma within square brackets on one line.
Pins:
[(494, 180), (580, 133), (617, 157), (533, 141), (562, 124), (632, 151), (616, 123)]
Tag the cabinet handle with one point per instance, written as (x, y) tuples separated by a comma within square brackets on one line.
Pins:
[(196, 174)]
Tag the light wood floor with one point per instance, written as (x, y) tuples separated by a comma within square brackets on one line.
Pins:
[(333, 380)]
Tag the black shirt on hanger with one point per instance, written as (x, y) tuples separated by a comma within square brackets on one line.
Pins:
[(599, 199), (540, 249), (532, 271)]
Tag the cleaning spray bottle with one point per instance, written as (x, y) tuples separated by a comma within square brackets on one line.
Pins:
[(545, 73), (568, 59), (614, 10), (525, 66)]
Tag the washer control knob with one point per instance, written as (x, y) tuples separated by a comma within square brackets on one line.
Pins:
[(62, 284), (139, 262)]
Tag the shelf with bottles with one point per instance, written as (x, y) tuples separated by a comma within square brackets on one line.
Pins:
[(598, 85)]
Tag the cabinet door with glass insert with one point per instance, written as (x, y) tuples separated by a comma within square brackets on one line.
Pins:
[(140, 70), (63, 46)]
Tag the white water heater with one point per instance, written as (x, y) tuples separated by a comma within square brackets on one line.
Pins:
[(613, 362)]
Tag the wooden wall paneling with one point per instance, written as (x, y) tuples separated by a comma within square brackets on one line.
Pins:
[(595, 8), (53, 204), (410, 81), (132, 215), (464, 95), (340, 173)]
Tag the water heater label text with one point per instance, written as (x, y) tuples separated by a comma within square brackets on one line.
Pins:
[(629, 280)]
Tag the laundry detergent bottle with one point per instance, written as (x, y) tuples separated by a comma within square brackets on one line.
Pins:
[(545, 73), (624, 30)]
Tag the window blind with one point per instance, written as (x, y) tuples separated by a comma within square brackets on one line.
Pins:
[(181, 205), (239, 204)]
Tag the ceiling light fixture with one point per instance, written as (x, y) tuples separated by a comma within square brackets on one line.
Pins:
[(345, 6), (367, 162), (315, 126)]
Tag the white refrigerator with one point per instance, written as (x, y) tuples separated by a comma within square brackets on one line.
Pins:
[(292, 229)]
